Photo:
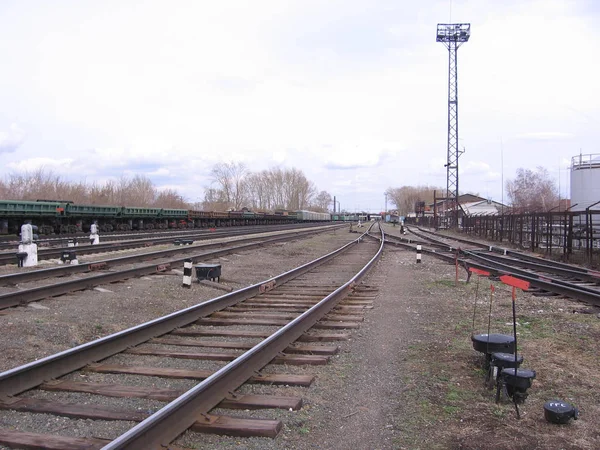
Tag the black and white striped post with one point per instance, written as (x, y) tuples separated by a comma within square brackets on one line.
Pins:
[(418, 253), (187, 273)]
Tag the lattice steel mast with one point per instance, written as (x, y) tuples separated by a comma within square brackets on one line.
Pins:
[(453, 36)]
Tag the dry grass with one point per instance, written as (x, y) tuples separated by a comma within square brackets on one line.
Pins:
[(449, 395)]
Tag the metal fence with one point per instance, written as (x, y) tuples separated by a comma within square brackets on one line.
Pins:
[(568, 236)]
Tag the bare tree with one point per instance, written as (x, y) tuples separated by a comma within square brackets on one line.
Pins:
[(229, 177), (298, 190), (169, 198), (45, 185), (140, 191), (532, 191), (404, 197), (103, 194), (271, 189), (42, 185), (214, 200), (257, 190), (322, 201)]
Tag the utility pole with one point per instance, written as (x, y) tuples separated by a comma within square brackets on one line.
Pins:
[(453, 36), (385, 210)]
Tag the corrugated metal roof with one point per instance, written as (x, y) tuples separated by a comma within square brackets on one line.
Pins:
[(482, 208)]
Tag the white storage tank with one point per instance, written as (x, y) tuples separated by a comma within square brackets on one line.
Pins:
[(585, 181)]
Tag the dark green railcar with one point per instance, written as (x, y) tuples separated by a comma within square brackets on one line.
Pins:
[(46, 215), (23, 208), (92, 210)]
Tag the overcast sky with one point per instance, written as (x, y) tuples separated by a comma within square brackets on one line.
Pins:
[(352, 92)]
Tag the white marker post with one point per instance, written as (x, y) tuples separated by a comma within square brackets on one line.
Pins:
[(28, 246), (418, 253), (94, 238), (187, 273)]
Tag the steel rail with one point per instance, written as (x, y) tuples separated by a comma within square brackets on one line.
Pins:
[(165, 425), (20, 379), (540, 264), (545, 283), (464, 241), (541, 281), (423, 235), (82, 239), (124, 235), (30, 295), (19, 277), (536, 259), (398, 242), (523, 256), (8, 258), (87, 249)]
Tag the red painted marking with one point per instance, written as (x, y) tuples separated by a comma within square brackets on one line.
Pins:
[(479, 272), (212, 229), (492, 288), (515, 282)]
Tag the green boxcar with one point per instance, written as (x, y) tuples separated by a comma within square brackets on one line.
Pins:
[(23, 208), (92, 211), (139, 212)]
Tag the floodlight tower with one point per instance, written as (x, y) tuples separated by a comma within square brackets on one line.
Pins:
[(453, 35)]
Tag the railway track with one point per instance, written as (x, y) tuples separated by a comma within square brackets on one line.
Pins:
[(545, 277), (140, 386), (163, 238), (83, 238), (102, 272)]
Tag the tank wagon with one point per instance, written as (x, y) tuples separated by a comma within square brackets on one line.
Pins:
[(56, 217)]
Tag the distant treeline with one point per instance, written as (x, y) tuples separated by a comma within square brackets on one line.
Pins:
[(46, 185), (234, 187)]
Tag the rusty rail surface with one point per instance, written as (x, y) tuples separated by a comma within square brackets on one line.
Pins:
[(543, 282), (162, 427), (10, 258), (30, 295)]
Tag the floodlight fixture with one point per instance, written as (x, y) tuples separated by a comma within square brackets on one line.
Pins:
[(453, 32)]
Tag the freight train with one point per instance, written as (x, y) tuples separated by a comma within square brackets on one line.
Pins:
[(58, 217)]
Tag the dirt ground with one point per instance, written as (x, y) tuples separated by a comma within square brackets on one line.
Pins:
[(407, 379), (411, 379)]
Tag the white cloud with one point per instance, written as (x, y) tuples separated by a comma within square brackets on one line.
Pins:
[(59, 166), (12, 139), (109, 88)]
